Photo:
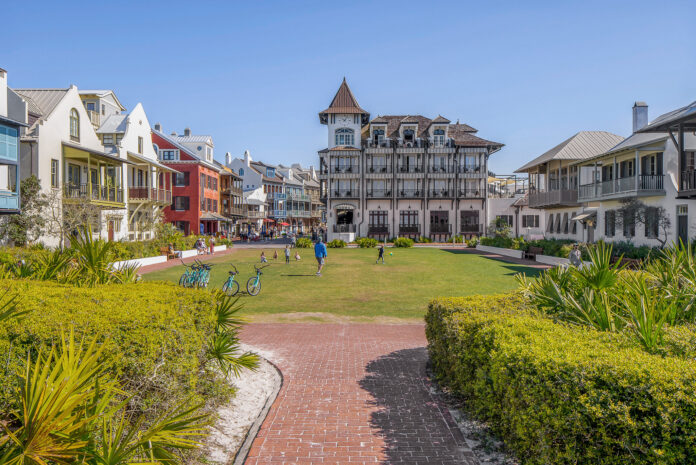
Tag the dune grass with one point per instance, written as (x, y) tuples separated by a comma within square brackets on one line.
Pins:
[(353, 286)]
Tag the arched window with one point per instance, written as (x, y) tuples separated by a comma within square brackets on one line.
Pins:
[(74, 125), (345, 136), (155, 148)]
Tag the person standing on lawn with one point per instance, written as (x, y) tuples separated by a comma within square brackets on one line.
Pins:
[(320, 254), (287, 253), (381, 254)]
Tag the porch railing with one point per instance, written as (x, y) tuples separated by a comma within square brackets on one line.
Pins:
[(409, 229), (381, 229), (93, 192), (438, 228), (344, 228)]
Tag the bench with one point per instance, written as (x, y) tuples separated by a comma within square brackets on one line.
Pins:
[(533, 252), (165, 251)]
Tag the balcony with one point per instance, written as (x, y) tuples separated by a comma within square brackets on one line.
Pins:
[(553, 198), (299, 197), (410, 169), (353, 169), (409, 229), (470, 169), (439, 228), (255, 214), (442, 169), (379, 193), (382, 143), (377, 169), (233, 211), (346, 194), (99, 195), (643, 185), (94, 118), (149, 194), (344, 228), (411, 193), (471, 229), (687, 184), (472, 193), (441, 193), (316, 214), (298, 213), (377, 229), (9, 202)]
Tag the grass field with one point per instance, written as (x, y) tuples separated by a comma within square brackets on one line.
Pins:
[(353, 286)]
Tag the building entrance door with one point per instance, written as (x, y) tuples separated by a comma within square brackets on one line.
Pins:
[(110, 229), (683, 224)]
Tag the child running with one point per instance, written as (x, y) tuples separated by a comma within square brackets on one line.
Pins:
[(381, 254)]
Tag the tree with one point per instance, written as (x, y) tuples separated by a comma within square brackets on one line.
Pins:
[(654, 219), (67, 219), (28, 225)]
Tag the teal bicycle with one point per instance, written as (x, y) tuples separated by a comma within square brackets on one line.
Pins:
[(254, 283), (231, 287), (196, 275)]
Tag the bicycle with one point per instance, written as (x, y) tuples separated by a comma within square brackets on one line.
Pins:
[(254, 283), (231, 287), (195, 275), (186, 275)]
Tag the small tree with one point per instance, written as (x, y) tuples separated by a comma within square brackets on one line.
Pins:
[(67, 219), (28, 225), (499, 227), (633, 211)]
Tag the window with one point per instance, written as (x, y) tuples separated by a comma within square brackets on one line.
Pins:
[(629, 225), (103, 109), (345, 136), (140, 145), (241, 172), (119, 138), (54, 173), (215, 205), (90, 106), (504, 219), (408, 218), (74, 125), (181, 203), (652, 222), (168, 154), (108, 139), (530, 221), (609, 223), (209, 153), (439, 137), (378, 218), (215, 184), (549, 225), (270, 172), (8, 178), (651, 165), (565, 223), (210, 204), (8, 143)]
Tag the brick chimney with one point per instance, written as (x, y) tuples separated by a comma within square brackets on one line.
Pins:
[(640, 115)]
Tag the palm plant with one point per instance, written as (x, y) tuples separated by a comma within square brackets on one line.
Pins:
[(647, 310), (94, 258), (72, 412), (224, 347), (50, 265), (9, 307)]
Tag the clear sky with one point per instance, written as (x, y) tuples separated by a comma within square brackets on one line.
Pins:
[(254, 74)]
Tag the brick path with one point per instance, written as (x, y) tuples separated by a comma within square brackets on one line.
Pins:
[(352, 394)]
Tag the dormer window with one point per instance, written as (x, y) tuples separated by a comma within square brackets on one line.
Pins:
[(378, 135), (270, 172), (345, 136), (209, 153), (439, 137), (409, 135)]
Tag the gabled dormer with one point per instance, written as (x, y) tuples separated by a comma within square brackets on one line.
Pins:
[(437, 132), (408, 131)]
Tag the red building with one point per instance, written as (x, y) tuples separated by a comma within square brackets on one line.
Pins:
[(195, 207)]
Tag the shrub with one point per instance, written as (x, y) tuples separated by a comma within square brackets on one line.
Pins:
[(303, 243), (497, 241), (563, 394), (473, 242), (424, 240), (456, 239), (336, 244), (152, 336), (403, 242), (366, 242)]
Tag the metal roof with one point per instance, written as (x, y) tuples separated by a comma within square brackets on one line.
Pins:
[(670, 120), (102, 93), (205, 139), (113, 124), (344, 101), (584, 144), (43, 100)]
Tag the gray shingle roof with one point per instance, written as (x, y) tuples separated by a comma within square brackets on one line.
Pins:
[(584, 144)]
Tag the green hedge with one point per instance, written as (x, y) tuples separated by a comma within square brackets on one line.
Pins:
[(303, 243), (153, 336), (366, 242), (336, 244), (403, 242), (563, 395)]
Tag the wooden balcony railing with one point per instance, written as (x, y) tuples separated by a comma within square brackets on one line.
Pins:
[(93, 193)]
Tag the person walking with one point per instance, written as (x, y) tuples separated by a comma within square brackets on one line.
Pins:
[(320, 254), (381, 254), (211, 242), (287, 253)]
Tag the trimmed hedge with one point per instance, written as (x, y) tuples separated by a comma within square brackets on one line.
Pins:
[(559, 394), (303, 243), (153, 335)]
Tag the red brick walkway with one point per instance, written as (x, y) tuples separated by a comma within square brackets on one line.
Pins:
[(352, 394)]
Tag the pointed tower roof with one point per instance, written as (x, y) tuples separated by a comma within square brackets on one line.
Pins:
[(344, 102)]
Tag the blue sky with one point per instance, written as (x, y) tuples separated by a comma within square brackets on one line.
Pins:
[(254, 75)]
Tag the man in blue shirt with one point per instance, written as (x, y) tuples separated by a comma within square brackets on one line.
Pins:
[(320, 253)]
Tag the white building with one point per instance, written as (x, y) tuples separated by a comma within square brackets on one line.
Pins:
[(63, 150), (401, 175), (508, 202)]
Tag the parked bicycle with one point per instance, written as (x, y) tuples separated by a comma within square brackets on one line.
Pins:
[(254, 283), (231, 287), (195, 275)]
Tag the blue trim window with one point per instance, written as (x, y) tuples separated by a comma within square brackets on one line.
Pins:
[(8, 143), (345, 136)]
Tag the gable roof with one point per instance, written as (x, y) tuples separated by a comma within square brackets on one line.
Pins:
[(42, 101), (344, 102), (664, 122), (584, 144), (182, 149), (103, 93), (205, 139), (394, 121)]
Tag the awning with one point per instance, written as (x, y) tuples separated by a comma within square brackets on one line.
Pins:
[(141, 159), (285, 224), (71, 149), (583, 216), (213, 217), (268, 220)]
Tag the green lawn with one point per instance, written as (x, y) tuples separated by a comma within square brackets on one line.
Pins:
[(353, 286)]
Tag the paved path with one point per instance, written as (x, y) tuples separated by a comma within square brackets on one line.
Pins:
[(352, 394)]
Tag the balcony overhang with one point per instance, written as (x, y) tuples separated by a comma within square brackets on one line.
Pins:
[(141, 160), (77, 152)]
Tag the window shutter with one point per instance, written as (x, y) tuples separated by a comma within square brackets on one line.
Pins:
[(659, 163)]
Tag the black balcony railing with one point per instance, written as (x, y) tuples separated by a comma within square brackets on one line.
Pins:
[(378, 229), (440, 228), (410, 193), (352, 169), (471, 193), (443, 169), (409, 229), (344, 228), (410, 169), (346, 194), (470, 168), (470, 228), (443, 193), (378, 169), (377, 193)]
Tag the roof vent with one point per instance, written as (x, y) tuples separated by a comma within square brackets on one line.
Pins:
[(187, 132), (173, 133)]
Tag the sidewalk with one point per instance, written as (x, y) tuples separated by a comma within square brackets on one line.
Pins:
[(176, 262)]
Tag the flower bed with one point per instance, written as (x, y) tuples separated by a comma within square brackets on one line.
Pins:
[(565, 394)]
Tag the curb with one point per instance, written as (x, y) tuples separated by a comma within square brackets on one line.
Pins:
[(242, 453)]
